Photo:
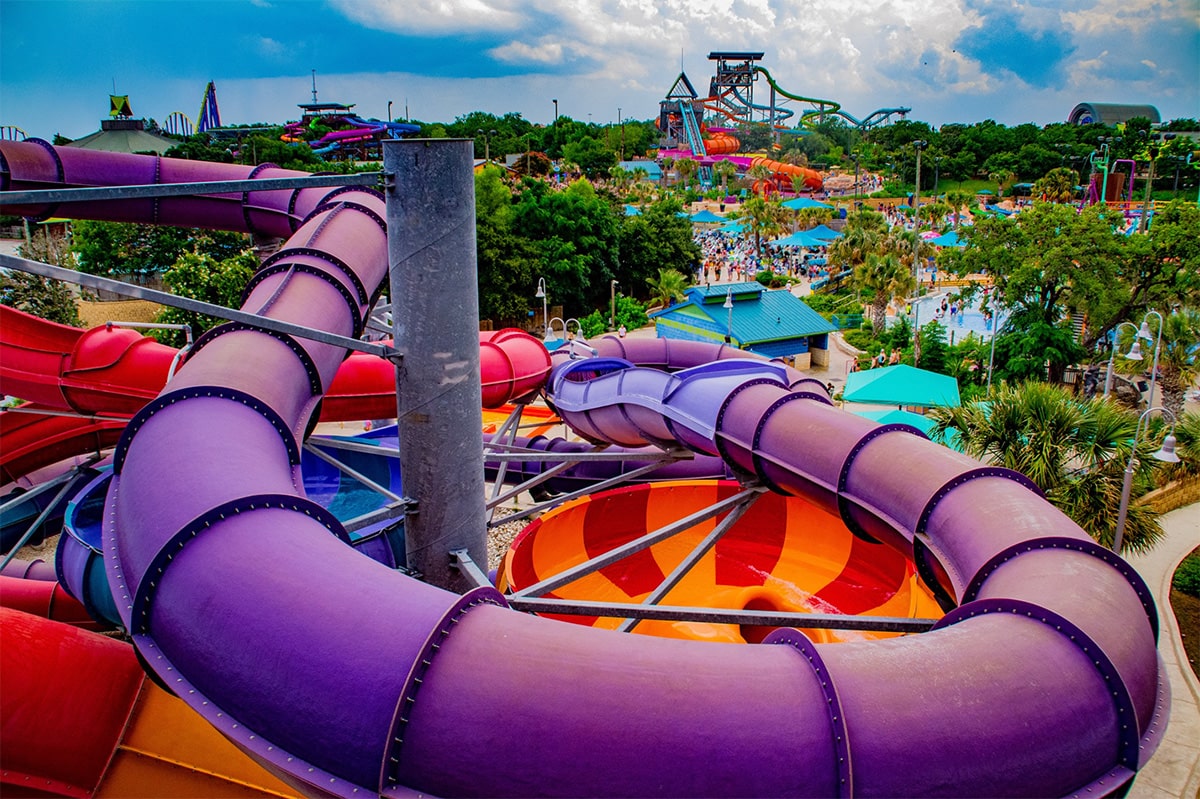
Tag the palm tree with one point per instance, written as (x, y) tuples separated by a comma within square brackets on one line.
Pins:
[(809, 218), (667, 288), (762, 219), (882, 277), (667, 164), (958, 200), (1002, 177), (1057, 185), (687, 169), (760, 174), (863, 234), (1074, 450), (724, 170)]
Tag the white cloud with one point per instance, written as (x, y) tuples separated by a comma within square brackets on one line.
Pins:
[(435, 17), (521, 53)]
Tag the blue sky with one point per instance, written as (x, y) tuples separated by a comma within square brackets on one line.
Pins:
[(950, 60)]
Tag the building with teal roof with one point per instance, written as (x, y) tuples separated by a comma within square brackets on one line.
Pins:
[(774, 323)]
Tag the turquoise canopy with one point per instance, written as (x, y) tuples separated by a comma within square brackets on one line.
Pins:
[(800, 203), (901, 385), (705, 216)]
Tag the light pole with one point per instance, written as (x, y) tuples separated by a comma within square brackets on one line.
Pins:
[(918, 145), (612, 305), (995, 332), (541, 292), (1165, 453), (854, 157), (1135, 352), (555, 113), (389, 119), (487, 144), (729, 307), (1108, 378), (621, 122)]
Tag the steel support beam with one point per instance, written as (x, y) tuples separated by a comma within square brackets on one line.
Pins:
[(435, 321)]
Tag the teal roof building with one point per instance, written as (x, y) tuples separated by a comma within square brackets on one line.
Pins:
[(776, 324)]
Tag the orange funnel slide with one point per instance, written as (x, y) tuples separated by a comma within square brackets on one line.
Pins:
[(82, 720), (812, 178), (784, 554)]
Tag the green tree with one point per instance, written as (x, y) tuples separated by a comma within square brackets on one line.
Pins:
[(958, 200), (658, 238), (202, 277), (40, 296), (591, 156), (1074, 450), (1057, 185), (122, 250), (1178, 357), (687, 169), (933, 350), (575, 233), (505, 260)]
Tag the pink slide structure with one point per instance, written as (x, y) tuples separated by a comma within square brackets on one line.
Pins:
[(350, 679)]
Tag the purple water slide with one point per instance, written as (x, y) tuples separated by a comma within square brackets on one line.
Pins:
[(346, 677)]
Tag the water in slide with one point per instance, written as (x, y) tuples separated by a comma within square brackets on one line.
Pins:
[(1044, 680)]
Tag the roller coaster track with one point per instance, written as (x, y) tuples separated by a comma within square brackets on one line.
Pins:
[(829, 107)]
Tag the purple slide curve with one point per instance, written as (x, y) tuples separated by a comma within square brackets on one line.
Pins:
[(350, 679)]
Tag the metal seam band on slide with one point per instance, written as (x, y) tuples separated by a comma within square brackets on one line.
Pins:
[(721, 438), (219, 392), (328, 205), (328, 258), (309, 269), (1129, 737), (60, 175), (965, 477), (390, 767), (1074, 544), (310, 368), (246, 195), (833, 705), (843, 501), (148, 584), (760, 462), (923, 555)]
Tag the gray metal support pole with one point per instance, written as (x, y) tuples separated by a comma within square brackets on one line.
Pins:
[(435, 312)]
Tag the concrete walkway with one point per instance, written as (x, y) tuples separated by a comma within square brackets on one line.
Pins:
[(1174, 770)]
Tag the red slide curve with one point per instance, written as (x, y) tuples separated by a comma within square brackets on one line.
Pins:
[(113, 372)]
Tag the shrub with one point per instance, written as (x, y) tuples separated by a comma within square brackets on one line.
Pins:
[(1187, 576)]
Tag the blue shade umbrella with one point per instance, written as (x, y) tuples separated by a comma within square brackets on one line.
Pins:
[(632, 210), (901, 385), (801, 238), (733, 227), (799, 203), (824, 232), (948, 239), (706, 216)]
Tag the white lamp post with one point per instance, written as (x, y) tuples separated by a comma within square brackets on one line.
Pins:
[(541, 293), (1134, 354), (1144, 333), (729, 307), (1166, 453)]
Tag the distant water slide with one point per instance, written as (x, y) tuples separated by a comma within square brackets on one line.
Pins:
[(347, 677)]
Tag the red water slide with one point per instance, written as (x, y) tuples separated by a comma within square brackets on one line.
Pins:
[(109, 372)]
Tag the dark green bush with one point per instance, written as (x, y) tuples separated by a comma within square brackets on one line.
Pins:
[(1187, 576)]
